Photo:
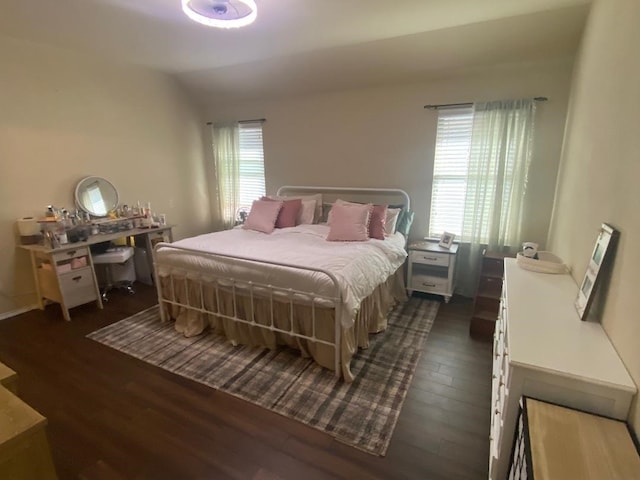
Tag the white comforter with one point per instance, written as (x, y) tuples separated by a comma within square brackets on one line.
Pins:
[(358, 266)]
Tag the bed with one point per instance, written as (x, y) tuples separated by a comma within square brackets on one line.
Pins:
[(290, 288)]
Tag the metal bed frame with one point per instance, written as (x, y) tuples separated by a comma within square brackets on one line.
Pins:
[(256, 290)]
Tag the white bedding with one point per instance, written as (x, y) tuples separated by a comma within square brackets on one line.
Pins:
[(358, 266)]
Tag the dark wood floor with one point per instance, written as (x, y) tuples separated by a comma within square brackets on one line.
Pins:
[(111, 416)]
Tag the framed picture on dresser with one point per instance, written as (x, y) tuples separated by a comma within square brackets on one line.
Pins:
[(602, 253)]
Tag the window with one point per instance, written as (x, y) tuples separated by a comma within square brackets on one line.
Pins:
[(251, 167), (451, 164), (239, 168), (480, 171)]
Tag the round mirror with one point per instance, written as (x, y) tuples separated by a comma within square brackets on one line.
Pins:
[(96, 196)]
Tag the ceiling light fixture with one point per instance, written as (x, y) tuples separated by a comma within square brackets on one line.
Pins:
[(221, 13)]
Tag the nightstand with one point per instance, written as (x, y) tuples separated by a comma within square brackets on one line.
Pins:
[(431, 268)]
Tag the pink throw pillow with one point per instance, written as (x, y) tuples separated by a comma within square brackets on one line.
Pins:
[(289, 212), (350, 223), (263, 216), (377, 224)]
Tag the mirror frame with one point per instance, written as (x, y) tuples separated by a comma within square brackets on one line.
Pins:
[(85, 209)]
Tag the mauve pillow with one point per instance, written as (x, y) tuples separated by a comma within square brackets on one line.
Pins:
[(350, 223), (289, 212), (263, 215), (317, 204), (377, 223)]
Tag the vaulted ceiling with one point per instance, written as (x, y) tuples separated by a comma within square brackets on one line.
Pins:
[(299, 46)]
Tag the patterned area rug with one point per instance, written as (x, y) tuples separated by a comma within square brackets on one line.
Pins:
[(362, 414)]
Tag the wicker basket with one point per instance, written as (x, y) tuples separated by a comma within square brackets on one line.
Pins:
[(547, 262)]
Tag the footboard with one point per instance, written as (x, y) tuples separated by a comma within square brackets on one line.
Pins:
[(242, 297)]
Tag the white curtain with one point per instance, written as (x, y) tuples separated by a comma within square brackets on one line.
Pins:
[(499, 158), (226, 156)]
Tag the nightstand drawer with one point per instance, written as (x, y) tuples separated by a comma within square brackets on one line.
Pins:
[(430, 258), (427, 283)]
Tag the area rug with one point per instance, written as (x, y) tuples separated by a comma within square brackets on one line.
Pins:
[(362, 414)]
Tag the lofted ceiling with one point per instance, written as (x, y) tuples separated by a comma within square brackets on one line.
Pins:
[(300, 46)]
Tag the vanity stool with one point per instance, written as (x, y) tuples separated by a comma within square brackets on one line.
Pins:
[(116, 269)]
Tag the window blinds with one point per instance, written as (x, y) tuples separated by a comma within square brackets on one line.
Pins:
[(251, 184), (450, 169)]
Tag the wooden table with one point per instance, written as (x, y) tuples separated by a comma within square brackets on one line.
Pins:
[(558, 443)]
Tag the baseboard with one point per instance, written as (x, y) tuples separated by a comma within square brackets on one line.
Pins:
[(18, 311)]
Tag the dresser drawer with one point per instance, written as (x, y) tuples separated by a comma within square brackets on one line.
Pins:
[(496, 429), (430, 258), (429, 283), (78, 287), (69, 254)]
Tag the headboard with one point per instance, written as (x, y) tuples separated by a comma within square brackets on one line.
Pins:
[(387, 196)]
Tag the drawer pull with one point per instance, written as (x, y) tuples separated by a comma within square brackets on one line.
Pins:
[(433, 259), (75, 279), (71, 253), (428, 284)]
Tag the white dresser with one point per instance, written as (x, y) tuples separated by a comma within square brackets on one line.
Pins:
[(543, 350)]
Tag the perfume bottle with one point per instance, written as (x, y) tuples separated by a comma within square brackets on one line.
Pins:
[(148, 217)]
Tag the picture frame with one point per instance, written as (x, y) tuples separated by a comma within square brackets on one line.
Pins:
[(601, 255), (446, 239)]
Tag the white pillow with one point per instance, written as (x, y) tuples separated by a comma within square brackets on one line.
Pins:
[(392, 218), (306, 212)]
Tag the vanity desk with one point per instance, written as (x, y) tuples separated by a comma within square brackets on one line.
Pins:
[(63, 272), (66, 274)]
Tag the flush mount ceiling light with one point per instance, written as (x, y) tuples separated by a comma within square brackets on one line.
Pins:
[(221, 13)]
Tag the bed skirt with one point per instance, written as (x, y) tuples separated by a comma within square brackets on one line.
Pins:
[(370, 318)]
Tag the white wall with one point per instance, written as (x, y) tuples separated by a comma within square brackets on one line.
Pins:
[(384, 137), (65, 117), (601, 169)]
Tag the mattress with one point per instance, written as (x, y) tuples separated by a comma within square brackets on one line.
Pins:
[(358, 267)]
